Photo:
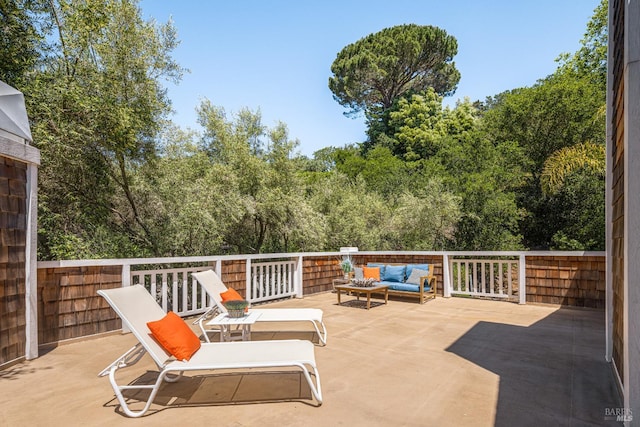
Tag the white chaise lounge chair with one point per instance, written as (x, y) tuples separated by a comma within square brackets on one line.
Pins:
[(136, 307), (213, 286)]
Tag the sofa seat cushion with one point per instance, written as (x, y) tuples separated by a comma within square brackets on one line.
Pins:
[(407, 287)]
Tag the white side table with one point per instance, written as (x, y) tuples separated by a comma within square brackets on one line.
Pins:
[(242, 330)]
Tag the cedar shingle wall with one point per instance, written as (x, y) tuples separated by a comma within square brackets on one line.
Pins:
[(573, 281), (13, 226), (617, 185), (68, 303)]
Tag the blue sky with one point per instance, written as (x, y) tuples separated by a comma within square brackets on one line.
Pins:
[(276, 55)]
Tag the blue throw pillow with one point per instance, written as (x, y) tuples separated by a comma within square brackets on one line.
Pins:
[(393, 273), (410, 268)]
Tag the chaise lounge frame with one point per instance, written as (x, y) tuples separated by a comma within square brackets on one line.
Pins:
[(213, 286), (135, 306)]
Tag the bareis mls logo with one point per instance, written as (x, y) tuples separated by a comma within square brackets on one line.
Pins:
[(618, 414)]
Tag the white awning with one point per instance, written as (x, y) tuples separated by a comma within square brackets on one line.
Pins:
[(13, 113)]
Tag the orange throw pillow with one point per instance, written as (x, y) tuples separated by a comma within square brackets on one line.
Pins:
[(371, 273), (175, 336), (230, 295)]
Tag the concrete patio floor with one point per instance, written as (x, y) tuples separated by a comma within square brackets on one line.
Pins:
[(449, 362)]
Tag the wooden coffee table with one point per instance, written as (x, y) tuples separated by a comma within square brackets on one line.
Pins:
[(368, 290)]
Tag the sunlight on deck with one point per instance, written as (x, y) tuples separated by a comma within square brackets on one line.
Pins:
[(453, 361)]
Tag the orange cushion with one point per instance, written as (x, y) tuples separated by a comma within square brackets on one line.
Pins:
[(371, 273), (175, 336), (230, 295)]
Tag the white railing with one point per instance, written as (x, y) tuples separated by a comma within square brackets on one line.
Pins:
[(275, 276), (175, 289), (272, 280), (496, 278)]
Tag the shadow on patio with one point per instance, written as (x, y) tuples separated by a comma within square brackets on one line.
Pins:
[(552, 372)]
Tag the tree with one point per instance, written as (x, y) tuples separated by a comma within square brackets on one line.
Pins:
[(275, 216), (563, 162), (416, 125), (370, 74), (591, 59), (573, 178), (97, 106), (189, 202), (21, 41), (353, 216), (550, 121), (426, 220)]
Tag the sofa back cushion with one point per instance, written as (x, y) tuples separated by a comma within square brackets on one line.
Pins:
[(393, 273), (410, 268), (416, 274)]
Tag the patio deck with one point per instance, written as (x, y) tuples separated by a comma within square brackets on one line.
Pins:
[(453, 361)]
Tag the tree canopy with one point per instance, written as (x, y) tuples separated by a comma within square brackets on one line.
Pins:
[(523, 169), (373, 72)]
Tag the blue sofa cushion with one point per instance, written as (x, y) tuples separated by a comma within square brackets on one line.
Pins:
[(403, 286), (410, 268), (393, 273), (406, 287)]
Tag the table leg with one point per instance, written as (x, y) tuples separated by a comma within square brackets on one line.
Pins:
[(368, 300), (246, 332), (386, 295), (338, 290)]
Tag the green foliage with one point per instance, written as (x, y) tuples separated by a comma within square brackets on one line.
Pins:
[(564, 161), (581, 212), (373, 72), (561, 111), (426, 220), (274, 214), (21, 41), (118, 180), (239, 304), (352, 215), (96, 106), (590, 60)]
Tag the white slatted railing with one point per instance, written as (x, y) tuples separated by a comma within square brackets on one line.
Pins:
[(496, 278), (272, 280), (174, 289)]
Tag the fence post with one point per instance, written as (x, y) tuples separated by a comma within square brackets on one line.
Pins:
[(522, 280), (125, 278), (298, 277), (446, 277), (248, 281), (126, 275)]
